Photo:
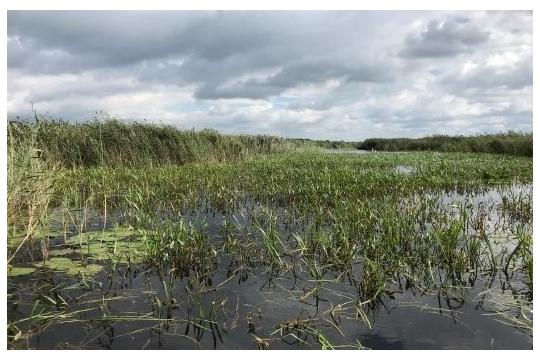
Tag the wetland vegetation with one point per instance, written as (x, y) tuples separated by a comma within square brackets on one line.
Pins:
[(512, 143), (141, 236)]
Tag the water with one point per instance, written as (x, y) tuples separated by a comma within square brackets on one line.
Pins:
[(408, 322), (405, 169), (235, 306)]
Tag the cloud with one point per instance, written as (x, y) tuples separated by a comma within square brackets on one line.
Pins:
[(445, 38), (507, 70), (295, 75), (338, 74)]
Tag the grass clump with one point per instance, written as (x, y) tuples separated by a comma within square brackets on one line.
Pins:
[(173, 243)]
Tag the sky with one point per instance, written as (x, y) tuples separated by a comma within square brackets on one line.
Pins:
[(340, 75)]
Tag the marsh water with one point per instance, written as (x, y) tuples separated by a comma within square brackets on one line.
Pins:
[(236, 306)]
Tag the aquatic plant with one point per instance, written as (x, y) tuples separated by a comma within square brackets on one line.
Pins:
[(341, 235)]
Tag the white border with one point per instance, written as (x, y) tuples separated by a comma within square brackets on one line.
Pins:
[(273, 5), (253, 5)]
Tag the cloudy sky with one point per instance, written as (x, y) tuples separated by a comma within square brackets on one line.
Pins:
[(325, 75)]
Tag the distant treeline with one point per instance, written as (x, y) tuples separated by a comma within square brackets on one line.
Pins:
[(115, 143), (511, 143)]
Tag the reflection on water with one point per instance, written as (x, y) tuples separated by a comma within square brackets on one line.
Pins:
[(129, 310), (234, 306), (404, 169)]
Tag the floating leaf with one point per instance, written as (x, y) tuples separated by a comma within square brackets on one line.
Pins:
[(20, 271), (71, 267), (109, 235)]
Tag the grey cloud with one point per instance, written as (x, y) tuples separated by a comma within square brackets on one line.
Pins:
[(317, 71), (299, 73), (214, 47), (275, 72), (251, 89), (444, 39), (29, 55), (125, 37), (115, 37), (122, 38)]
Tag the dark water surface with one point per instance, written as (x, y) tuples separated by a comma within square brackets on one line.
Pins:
[(239, 307), (408, 322)]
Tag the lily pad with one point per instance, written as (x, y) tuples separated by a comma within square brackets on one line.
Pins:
[(16, 237), (69, 266), (20, 271), (61, 252), (90, 269), (58, 264), (15, 241), (130, 252), (109, 235), (115, 251), (98, 251), (115, 244)]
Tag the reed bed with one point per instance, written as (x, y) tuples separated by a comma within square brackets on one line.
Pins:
[(341, 234), (118, 143), (511, 143)]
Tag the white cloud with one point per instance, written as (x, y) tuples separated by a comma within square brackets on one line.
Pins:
[(337, 75)]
